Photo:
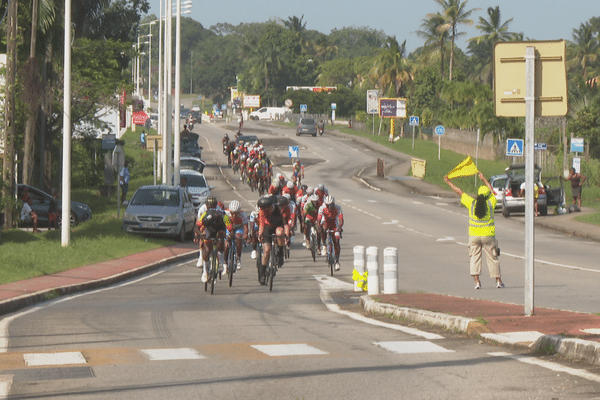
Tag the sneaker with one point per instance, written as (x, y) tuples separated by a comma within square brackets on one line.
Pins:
[(499, 285), (223, 269), (306, 244), (323, 251), (199, 263), (478, 286), (204, 277), (239, 265), (337, 266), (253, 255)]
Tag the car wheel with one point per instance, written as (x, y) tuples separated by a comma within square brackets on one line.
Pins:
[(181, 236), (73, 220)]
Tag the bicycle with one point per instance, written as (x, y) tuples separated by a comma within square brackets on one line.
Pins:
[(312, 239), (232, 260), (275, 261), (330, 251), (213, 267)]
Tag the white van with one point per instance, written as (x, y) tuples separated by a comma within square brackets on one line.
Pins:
[(268, 113)]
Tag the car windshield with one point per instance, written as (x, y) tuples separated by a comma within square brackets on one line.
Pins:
[(156, 197), (195, 180), (188, 144), (307, 121)]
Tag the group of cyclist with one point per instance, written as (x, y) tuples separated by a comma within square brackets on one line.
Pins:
[(251, 161), (274, 220)]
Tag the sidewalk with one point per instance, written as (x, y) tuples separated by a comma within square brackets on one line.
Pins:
[(504, 323)]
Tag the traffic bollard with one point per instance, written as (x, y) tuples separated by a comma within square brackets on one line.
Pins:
[(373, 269), (359, 265), (390, 270)]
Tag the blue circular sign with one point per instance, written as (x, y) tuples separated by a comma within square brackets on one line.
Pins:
[(439, 130)]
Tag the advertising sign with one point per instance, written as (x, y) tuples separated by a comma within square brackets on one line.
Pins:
[(372, 101), (392, 108), (251, 101)]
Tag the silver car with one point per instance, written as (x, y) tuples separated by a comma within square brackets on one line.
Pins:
[(158, 210), (196, 185), (498, 183), (512, 198)]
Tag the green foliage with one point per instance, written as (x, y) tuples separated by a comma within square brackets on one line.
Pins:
[(348, 102)]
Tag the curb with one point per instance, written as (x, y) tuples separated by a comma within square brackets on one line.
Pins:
[(574, 349), (26, 300)]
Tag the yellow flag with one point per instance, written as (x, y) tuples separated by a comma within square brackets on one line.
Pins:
[(360, 278), (465, 168)]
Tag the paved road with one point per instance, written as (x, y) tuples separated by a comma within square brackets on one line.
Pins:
[(163, 337)]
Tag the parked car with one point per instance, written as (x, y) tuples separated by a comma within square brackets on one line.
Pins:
[(192, 163), (80, 212), (512, 200), (190, 148), (268, 113), (246, 139), (160, 210), (306, 125), (498, 183), (197, 186)]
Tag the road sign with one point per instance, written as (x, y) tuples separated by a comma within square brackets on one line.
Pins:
[(550, 78), (414, 121), (293, 152), (303, 107), (392, 108), (577, 145), (439, 130), (540, 146), (333, 106), (514, 147)]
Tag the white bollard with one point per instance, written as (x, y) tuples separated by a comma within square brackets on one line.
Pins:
[(373, 268), (359, 264), (390, 270)]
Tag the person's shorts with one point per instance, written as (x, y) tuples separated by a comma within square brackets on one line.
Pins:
[(27, 219), (124, 188), (268, 232), (576, 191), (210, 233), (51, 217)]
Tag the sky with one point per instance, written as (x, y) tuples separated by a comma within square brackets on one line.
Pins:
[(537, 19)]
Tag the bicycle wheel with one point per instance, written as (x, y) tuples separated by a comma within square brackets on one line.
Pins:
[(313, 245), (330, 253), (214, 268), (231, 261)]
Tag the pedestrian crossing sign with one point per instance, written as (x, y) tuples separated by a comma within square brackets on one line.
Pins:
[(514, 147), (293, 151)]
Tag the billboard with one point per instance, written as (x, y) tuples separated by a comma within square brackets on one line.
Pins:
[(392, 108)]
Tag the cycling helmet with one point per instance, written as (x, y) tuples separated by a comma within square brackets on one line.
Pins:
[(290, 184), (314, 198), (211, 201), (287, 196), (309, 190), (234, 206), (329, 200), (304, 187), (282, 201), (276, 183), (265, 202), (321, 187), (278, 176)]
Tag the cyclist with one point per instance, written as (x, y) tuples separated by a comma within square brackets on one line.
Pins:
[(253, 232), (331, 218), (275, 188), (239, 221), (321, 192), (270, 222), (290, 189), (298, 169), (311, 213), (213, 224)]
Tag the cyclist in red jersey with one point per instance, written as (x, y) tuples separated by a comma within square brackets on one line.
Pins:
[(270, 222), (331, 218)]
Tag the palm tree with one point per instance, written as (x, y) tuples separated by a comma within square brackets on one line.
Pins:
[(483, 46), (295, 24), (454, 13), (435, 38), (391, 68), (584, 50)]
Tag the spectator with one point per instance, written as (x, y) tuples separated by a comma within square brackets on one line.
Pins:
[(124, 181), (28, 216), (143, 139), (576, 181)]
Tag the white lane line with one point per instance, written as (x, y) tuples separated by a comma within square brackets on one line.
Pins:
[(171, 354), (280, 350), (549, 365), (412, 347), (46, 359), (327, 282)]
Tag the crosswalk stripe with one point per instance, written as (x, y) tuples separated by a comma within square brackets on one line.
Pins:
[(277, 350), (412, 347), (172, 354), (46, 359)]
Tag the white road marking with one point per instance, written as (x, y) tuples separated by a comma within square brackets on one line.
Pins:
[(45, 359), (412, 347), (172, 354), (549, 365), (326, 284), (279, 350)]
